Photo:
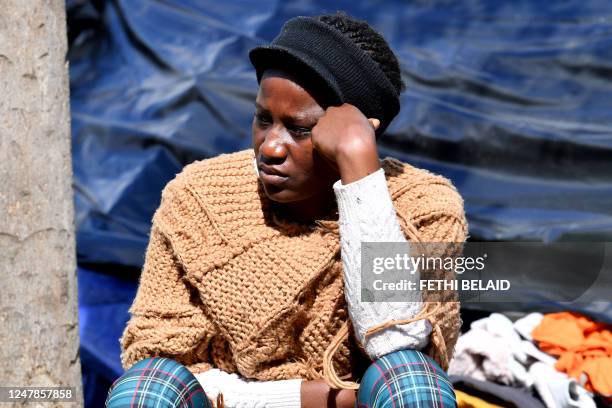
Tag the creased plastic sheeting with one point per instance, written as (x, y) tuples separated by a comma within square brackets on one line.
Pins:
[(104, 301), (511, 100)]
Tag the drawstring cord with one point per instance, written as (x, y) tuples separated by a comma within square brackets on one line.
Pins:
[(329, 372)]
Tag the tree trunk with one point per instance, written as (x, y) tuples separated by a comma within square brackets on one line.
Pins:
[(39, 336)]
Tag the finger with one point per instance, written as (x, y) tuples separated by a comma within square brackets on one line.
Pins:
[(374, 122)]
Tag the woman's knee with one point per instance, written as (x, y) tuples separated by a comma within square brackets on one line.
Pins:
[(405, 378), (156, 382)]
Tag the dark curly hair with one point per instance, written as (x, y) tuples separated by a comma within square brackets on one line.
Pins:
[(369, 41)]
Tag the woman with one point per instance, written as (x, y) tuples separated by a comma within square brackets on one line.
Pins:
[(252, 274)]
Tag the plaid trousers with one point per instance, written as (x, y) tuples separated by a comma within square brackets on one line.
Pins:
[(157, 382), (405, 378)]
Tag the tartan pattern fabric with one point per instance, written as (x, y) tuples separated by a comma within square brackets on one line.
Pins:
[(405, 378), (157, 382)]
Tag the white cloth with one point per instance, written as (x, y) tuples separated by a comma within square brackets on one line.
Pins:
[(557, 390), (525, 325), (491, 350), (531, 351), (482, 355), (366, 213)]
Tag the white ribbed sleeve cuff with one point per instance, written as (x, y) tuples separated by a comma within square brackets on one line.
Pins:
[(367, 214), (240, 393)]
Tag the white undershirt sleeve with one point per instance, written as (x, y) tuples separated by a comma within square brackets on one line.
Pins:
[(241, 393), (367, 214)]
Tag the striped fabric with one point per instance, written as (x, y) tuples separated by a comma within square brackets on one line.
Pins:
[(157, 382), (405, 378)]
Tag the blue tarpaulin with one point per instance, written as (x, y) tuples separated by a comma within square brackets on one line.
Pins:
[(508, 99)]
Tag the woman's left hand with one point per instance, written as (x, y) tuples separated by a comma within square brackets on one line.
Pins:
[(347, 139), (317, 393)]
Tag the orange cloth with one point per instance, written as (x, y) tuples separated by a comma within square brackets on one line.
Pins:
[(583, 346)]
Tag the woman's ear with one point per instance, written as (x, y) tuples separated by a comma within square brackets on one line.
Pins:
[(374, 122)]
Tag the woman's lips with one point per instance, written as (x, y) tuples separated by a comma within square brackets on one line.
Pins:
[(270, 175)]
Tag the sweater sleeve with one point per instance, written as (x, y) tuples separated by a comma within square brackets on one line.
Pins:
[(166, 318), (367, 214)]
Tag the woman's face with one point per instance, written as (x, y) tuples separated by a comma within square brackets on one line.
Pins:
[(289, 168)]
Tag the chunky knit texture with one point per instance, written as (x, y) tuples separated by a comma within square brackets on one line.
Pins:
[(228, 283)]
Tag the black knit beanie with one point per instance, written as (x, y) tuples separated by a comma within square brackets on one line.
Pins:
[(323, 56)]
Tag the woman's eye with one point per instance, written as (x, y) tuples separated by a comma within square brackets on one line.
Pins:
[(300, 131), (262, 119)]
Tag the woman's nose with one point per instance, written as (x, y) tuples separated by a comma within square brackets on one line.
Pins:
[(273, 147)]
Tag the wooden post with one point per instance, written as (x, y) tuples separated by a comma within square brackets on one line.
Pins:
[(39, 336)]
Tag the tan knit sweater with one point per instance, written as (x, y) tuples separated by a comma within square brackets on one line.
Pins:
[(228, 284)]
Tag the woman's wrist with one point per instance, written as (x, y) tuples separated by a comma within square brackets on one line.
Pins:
[(357, 160)]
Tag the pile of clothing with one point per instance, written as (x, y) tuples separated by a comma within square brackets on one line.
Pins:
[(556, 360)]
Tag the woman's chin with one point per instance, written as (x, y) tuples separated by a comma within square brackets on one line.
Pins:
[(280, 195)]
